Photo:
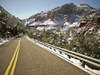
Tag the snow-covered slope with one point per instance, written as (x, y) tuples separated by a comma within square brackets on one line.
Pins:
[(68, 25), (49, 22)]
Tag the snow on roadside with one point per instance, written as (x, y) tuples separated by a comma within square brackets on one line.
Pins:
[(66, 56), (74, 61), (2, 41), (92, 70)]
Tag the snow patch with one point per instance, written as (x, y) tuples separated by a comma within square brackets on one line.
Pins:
[(67, 23), (70, 39), (91, 28), (2, 41), (40, 28), (99, 32), (75, 61), (66, 56), (49, 22), (75, 24), (93, 70)]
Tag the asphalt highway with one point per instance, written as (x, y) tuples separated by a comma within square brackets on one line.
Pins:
[(23, 57)]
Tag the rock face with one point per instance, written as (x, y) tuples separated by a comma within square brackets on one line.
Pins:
[(68, 13)]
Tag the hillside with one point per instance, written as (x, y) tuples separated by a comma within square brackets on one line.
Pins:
[(9, 25)]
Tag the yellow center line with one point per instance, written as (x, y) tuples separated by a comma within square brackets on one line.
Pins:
[(14, 65), (14, 55)]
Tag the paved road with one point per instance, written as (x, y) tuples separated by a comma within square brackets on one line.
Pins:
[(30, 59)]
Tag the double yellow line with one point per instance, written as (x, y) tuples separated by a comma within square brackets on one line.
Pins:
[(13, 60)]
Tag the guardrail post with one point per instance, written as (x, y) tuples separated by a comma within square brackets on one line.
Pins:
[(83, 64), (54, 49), (60, 52)]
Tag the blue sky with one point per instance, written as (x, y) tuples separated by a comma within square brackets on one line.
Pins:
[(26, 8)]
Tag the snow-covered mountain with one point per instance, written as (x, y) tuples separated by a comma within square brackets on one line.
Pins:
[(68, 14)]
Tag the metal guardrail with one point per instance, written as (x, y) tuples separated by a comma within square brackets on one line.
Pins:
[(87, 59)]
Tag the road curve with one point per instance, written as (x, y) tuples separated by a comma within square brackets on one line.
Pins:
[(34, 60)]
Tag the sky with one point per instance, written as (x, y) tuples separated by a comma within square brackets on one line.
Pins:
[(26, 8)]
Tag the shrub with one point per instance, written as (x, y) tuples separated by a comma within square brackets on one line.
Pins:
[(30, 34)]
